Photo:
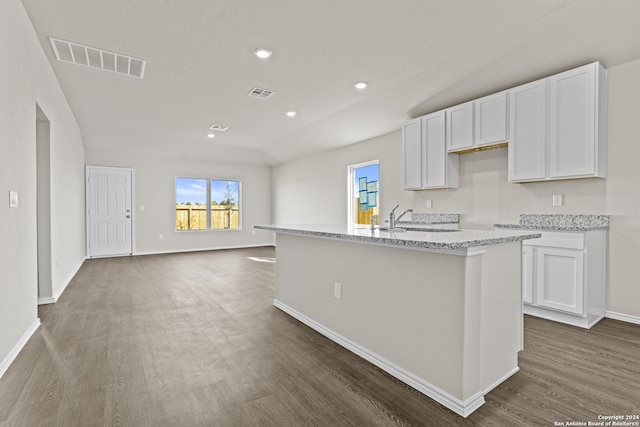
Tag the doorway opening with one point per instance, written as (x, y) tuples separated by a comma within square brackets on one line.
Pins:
[(43, 207), (364, 193)]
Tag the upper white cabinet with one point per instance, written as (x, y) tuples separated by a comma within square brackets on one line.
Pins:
[(558, 127), (490, 119), (460, 127), (555, 128), (527, 142), (478, 123), (412, 154), (426, 161), (577, 123)]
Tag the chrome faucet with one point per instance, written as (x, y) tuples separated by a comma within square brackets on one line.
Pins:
[(403, 214), (393, 219), (373, 222)]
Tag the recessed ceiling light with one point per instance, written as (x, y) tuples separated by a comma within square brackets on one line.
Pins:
[(211, 135), (290, 113), (262, 53), (360, 85)]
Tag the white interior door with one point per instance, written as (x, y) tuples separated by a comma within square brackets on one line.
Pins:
[(109, 213)]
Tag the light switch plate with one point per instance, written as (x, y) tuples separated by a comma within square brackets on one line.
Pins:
[(13, 199)]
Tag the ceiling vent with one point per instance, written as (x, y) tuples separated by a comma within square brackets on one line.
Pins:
[(257, 92), (219, 128), (97, 58)]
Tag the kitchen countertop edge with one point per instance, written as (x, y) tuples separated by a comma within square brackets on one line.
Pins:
[(416, 239), (551, 227)]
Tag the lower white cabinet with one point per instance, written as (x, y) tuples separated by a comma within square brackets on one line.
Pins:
[(563, 276), (560, 279), (527, 274)]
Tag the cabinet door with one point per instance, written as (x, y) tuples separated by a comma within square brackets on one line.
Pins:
[(412, 154), (434, 153), (527, 274), (572, 141), (559, 279), (490, 119), (460, 127), (527, 139)]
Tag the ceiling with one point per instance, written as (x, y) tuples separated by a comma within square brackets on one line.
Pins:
[(418, 56)]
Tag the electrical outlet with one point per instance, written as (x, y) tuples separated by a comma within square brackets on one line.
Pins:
[(557, 200), (429, 204), (141, 208), (161, 236), (337, 290)]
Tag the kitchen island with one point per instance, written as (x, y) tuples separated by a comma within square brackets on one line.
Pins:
[(439, 310)]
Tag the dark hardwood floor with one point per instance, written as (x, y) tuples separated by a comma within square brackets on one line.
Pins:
[(193, 340)]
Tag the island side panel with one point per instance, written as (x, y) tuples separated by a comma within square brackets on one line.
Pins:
[(501, 324), (406, 306)]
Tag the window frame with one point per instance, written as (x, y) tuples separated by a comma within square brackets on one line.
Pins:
[(351, 170), (207, 203)]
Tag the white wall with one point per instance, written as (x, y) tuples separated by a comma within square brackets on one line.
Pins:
[(26, 79), (314, 189), (485, 197), (155, 190)]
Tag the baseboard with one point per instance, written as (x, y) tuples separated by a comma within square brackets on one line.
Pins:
[(623, 317), (178, 251), (47, 300), (56, 297), (463, 408), (4, 365)]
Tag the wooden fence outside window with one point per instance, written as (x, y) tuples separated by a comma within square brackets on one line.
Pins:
[(190, 217)]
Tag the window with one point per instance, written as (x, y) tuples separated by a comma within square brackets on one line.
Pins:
[(207, 204), (364, 192)]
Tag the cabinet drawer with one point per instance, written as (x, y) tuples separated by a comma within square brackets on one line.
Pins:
[(558, 240)]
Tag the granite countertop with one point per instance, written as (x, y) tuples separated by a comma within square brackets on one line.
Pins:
[(559, 222), (413, 239)]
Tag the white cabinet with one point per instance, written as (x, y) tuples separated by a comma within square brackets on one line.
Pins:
[(577, 123), (559, 279), (527, 140), (527, 274), (563, 276), (426, 161), (460, 127), (555, 128), (558, 127), (478, 123), (490, 119), (412, 154)]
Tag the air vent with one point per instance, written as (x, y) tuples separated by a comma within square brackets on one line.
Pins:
[(260, 93), (219, 128), (97, 58)]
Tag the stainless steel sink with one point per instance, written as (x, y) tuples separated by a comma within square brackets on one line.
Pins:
[(393, 230), (431, 230)]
